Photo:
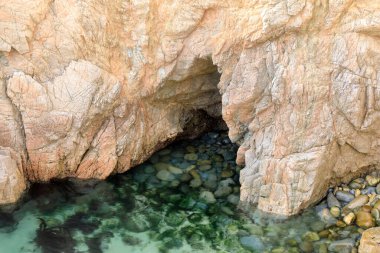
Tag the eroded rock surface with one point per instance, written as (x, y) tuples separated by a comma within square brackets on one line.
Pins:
[(88, 88)]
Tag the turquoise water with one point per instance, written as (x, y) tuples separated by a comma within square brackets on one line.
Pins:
[(184, 199)]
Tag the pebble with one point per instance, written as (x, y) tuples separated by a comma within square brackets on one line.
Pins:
[(311, 237), (364, 220), (195, 183), (227, 173), (254, 229), (377, 205), (165, 175), (378, 189), (191, 157), (349, 218), (207, 196), (332, 200), (368, 190), (359, 201), (344, 196), (306, 247), (372, 181), (335, 211), (233, 199), (252, 243), (223, 191), (175, 170), (325, 215), (205, 167), (342, 246)]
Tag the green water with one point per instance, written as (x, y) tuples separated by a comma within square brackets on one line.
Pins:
[(190, 207)]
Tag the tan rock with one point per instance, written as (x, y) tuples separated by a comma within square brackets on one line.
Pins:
[(91, 89), (370, 241), (12, 179)]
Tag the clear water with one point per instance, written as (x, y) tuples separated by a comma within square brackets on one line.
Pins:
[(138, 212)]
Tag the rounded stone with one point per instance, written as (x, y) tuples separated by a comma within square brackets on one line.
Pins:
[(311, 236), (205, 167), (252, 243), (344, 196), (371, 180), (364, 220), (191, 157), (195, 183), (335, 211), (175, 170), (164, 175), (207, 197)]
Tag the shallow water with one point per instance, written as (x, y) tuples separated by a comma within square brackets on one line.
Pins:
[(141, 211)]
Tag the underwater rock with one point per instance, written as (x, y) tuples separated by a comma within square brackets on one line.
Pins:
[(252, 243)]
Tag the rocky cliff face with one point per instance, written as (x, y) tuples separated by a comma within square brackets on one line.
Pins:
[(89, 88)]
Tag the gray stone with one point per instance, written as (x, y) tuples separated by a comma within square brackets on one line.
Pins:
[(332, 201), (252, 243), (164, 175), (344, 196), (368, 190), (378, 189), (342, 246), (207, 196)]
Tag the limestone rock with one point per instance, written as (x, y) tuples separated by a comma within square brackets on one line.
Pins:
[(90, 89)]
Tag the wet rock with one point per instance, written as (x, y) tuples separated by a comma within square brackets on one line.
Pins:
[(191, 157), (364, 220), (370, 241), (165, 175), (325, 215), (306, 247), (311, 236), (223, 191), (344, 196), (349, 218), (359, 201), (207, 196), (342, 246), (369, 190), (175, 170), (372, 180), (205, 167), (137, 223), (335, 211), (254, 229), (227, 173), (332, 201), (252, 243), (233, 199), (195, 183)]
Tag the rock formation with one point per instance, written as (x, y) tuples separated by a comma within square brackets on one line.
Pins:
[(89, 88)]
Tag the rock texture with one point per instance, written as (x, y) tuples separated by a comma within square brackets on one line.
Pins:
[(89, 88), (370, 241)]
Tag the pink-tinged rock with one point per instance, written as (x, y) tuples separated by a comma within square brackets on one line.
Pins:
[(12, 179), (370, 241), (295, 81)]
